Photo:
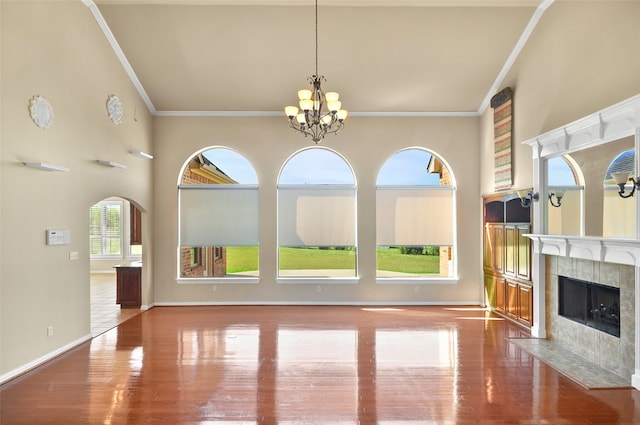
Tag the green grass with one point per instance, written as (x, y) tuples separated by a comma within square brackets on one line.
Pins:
[(316, 259), (242, 259), (390, 259)]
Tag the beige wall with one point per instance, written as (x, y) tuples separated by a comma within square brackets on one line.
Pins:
[(366, 143), (56, 50), (583, 56)]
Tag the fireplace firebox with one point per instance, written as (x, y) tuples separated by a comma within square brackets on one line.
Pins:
[(589, 303)]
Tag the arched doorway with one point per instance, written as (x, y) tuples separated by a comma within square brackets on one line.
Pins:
[(115, 239)]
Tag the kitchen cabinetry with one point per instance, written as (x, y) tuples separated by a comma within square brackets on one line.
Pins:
[(129, 286)]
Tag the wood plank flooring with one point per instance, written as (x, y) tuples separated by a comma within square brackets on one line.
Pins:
[(308, 365)]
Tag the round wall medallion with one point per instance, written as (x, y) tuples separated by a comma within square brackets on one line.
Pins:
[(41, 111), (114, 109)]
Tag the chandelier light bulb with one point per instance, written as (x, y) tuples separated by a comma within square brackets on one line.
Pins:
[(291, 111), (301, 119), (304, 94), (306, 104), (342, 114), (334, 105), (331, 96), (326, 119)]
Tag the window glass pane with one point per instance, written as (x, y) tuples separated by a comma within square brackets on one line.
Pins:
[(317, 216), (619, 214), (316, 166), (218, 216), (408, 167), (563, 189), (415, 217), (105, 229)]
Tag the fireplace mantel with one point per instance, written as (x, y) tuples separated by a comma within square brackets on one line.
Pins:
[(608, 250)]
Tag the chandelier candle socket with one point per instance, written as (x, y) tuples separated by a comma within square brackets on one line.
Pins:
[(314, 120)]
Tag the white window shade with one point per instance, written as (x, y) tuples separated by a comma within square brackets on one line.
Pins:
[(218, 215), (316, 215), (414, 216)]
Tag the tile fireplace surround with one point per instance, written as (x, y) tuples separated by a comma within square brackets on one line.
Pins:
[(614, 354)]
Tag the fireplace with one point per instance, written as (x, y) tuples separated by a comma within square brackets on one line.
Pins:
[(590, 304)]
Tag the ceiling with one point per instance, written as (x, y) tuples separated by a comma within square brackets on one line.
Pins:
[(386, 57)]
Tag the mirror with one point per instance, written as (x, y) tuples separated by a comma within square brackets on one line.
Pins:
[(584, 197)]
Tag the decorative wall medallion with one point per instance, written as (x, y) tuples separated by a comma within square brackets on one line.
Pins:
[(41, 111), (114, 109)]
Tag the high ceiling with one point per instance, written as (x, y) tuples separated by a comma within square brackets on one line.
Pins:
[(382, 56)]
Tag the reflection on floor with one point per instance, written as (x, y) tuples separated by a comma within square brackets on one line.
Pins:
[(105, 313), (584, 372)]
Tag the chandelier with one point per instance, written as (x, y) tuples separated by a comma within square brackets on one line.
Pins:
[(313, 120)]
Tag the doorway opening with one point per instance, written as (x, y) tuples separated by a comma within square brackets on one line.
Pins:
[(115, 239)]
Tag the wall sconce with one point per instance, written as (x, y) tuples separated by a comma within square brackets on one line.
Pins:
[(558, 195), (526, 200), (621, 179)]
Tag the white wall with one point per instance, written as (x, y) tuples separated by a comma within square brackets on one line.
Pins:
[(366, 143), (56, 50)]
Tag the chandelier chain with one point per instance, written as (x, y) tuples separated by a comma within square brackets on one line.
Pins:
[(316, 37)]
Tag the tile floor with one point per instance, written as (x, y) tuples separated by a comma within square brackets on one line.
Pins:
[(105, 313), (584, 372)]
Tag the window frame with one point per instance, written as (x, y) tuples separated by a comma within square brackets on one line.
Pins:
[(422, 279), (102, 256), (329, 186)]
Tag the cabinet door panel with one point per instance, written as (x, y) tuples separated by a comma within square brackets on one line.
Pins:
[(501, 289), (512, 299), (498, 249), (510, 250), (524, 252), (525, 307)]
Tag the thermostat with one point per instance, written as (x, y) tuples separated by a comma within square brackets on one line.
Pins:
[(58, 237)]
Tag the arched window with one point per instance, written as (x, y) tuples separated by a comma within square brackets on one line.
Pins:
[(619, 214), (218, 216), (415, 217), (564, 188), (316, 216)]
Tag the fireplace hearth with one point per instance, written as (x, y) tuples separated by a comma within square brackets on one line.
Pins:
[(590, 304)]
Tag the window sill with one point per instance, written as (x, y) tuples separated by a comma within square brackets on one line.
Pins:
[(217, 280), (318, 280), (417, 280)]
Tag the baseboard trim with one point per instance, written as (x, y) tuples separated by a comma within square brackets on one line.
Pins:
[(41, 360), (320, 303)]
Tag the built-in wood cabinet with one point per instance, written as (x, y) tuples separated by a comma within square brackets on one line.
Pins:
[(129, 286), (507, 257), (135, 226)]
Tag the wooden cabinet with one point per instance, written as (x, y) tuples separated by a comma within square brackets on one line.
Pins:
[(507, 257), (135, 226), (128, 286), (501, 290), (525, 304)]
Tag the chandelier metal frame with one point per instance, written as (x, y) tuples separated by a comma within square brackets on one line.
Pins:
[(313, 120)]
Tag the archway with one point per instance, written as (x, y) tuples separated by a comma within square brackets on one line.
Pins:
[(115, 240)]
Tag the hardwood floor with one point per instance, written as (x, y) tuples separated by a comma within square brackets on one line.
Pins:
[(308, 365)]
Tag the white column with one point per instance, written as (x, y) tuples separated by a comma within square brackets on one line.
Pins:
[(539, 328)]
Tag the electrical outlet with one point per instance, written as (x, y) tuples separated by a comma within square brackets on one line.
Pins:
[(214, 288), (416, 289), (319, 288), (50, 331)]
